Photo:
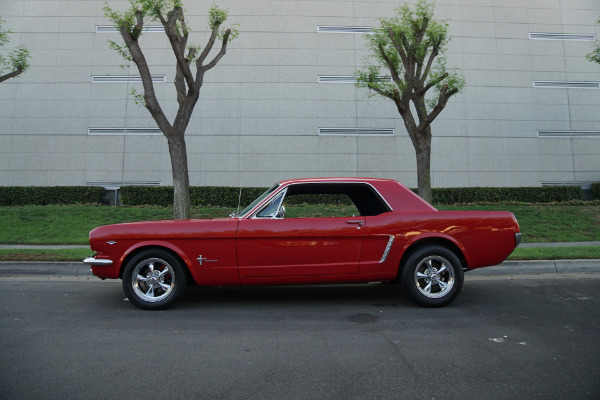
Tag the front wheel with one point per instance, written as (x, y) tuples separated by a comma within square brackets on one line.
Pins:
[(154, 279), (432, 276)]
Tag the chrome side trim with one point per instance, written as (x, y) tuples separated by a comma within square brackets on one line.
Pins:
[(386, 252), (97, 261)]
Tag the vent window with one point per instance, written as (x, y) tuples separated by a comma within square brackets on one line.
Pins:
[(562, 36), (123, 131), (356, 131), (125, 78), (566, 85)]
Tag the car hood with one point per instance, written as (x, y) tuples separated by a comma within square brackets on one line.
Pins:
[(191, 228)]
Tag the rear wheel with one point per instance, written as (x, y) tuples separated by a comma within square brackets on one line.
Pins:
[(154, 279), (432, 276)]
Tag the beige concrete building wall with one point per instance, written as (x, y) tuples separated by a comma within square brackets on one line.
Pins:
[(261, 108)]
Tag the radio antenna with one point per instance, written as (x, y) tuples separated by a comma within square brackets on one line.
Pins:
[(239, 200)]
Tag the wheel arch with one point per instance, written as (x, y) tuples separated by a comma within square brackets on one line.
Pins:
[(433, 240), (149, 246)]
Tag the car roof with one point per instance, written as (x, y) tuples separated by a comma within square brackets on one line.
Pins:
[(335, 180)]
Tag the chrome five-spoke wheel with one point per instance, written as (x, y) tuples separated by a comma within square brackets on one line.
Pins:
[(432, 275), (154, 279)]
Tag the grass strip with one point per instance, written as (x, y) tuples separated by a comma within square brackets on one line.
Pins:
[(74, 255), (71, 224)]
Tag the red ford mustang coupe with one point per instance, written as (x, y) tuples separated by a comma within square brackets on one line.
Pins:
[(389, 234)]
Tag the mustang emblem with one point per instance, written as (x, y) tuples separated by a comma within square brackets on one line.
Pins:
[(201, 260)]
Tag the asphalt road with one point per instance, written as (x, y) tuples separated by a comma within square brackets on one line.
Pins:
[(533, 338)]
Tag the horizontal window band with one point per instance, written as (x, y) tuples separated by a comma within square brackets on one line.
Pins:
[(344, 29), (566, 85), (357, 131), (568, 133), (125, 78), (347, 79), (123, 131), (336, 79), (113, 28), (117, 185), (562, 36)]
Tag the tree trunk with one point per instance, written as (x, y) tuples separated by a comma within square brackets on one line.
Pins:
[(423, 152), (181, 180)]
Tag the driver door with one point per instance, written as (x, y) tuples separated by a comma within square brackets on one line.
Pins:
[(278, 247)]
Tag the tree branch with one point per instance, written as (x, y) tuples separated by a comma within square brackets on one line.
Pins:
[(221, 52), (178, 43), (433, 83), (398, 47), (391, 67), (209, 45), (149, 94), (16, 72), (445, 95), (432, 56)]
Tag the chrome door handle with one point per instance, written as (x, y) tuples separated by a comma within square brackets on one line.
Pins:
[(355, 222)]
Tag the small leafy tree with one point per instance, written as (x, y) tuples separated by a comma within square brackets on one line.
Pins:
[(190, 65), (594, 55), (411, 47), (17, 61)]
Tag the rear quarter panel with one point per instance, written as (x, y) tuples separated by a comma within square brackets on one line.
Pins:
[(484, 237)]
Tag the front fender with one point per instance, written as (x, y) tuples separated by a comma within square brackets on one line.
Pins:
[(152, 243)]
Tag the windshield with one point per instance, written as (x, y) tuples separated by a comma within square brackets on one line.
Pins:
[(241, 214)]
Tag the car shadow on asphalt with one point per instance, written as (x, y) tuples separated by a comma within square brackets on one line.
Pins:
[(378, 293)]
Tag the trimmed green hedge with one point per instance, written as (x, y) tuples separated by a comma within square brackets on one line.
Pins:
[(596, 190), (200, 196), (544, 194), (45, 195), (217, 196)]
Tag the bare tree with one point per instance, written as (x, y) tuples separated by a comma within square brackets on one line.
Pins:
[(17, 61), (410, 47), (190, 64)]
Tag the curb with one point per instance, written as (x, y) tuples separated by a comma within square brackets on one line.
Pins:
[(535, 267), (20, 268)]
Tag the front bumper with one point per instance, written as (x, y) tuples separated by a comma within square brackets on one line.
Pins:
[(97, 261), (517, 239)]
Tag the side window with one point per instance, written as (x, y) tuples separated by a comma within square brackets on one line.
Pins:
[(318, 205)]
